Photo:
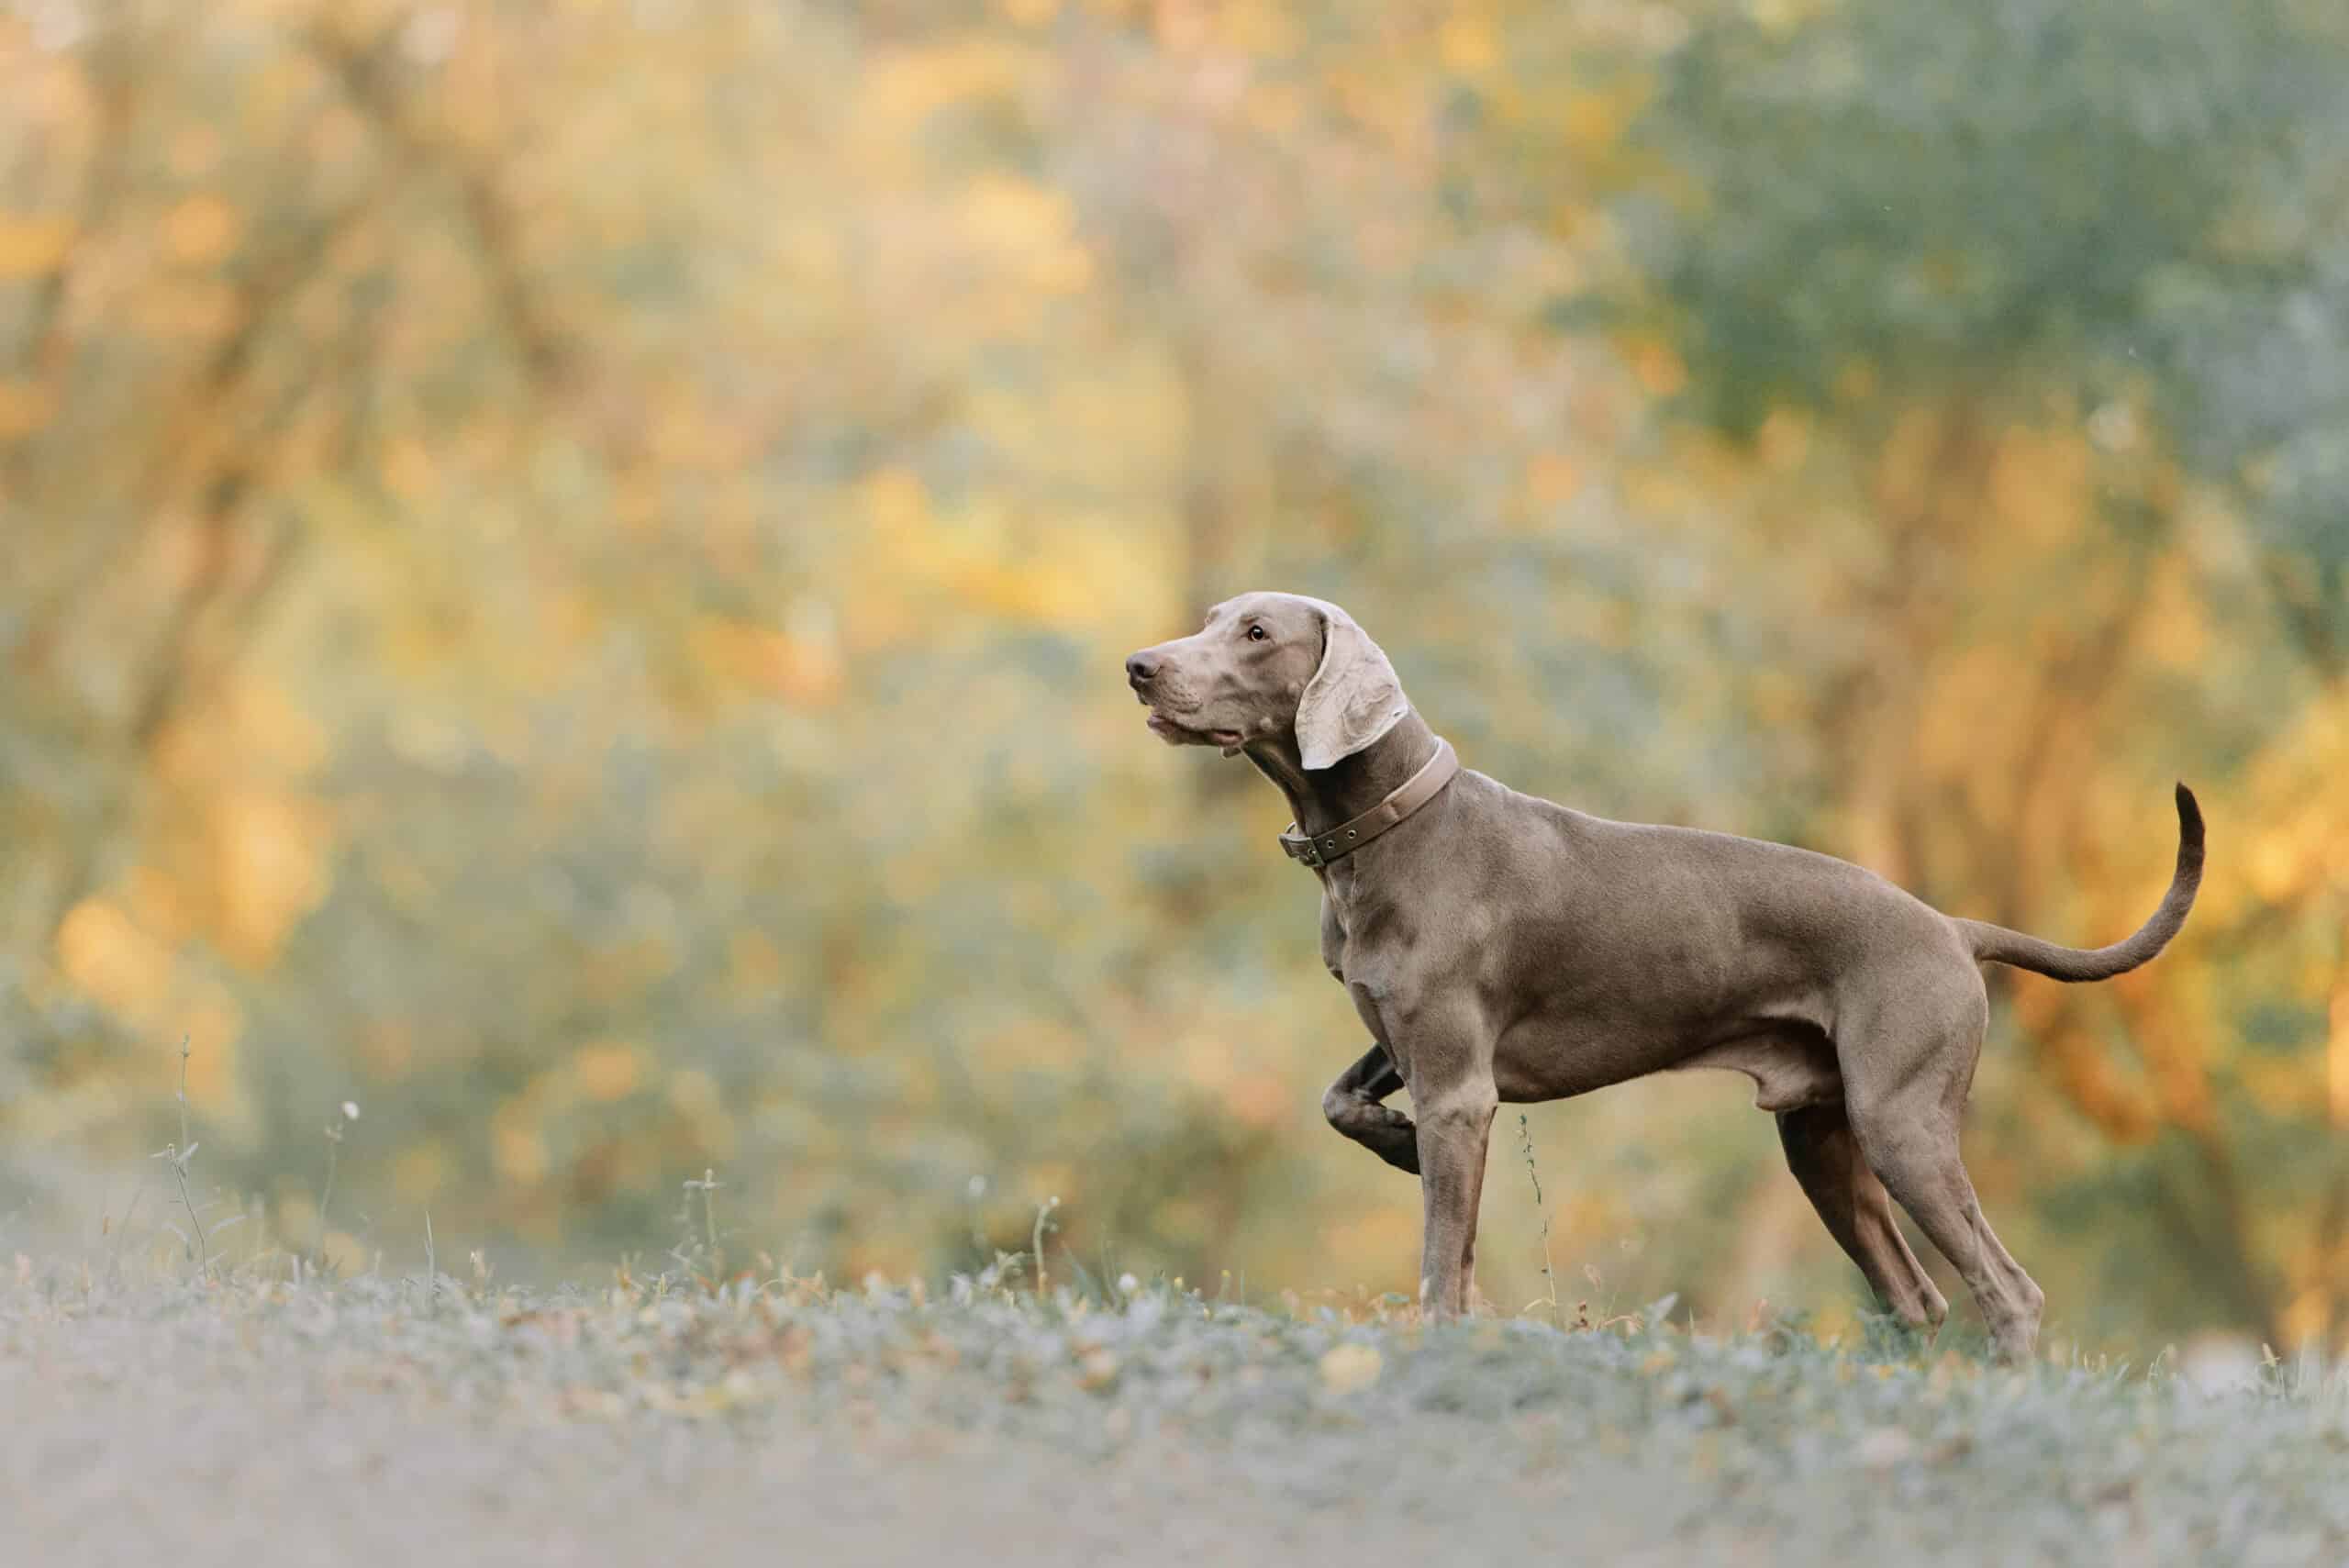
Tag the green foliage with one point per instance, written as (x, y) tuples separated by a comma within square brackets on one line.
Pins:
[(2012, 198)]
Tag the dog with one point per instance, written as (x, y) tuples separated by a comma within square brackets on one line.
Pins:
[(1502, 948)]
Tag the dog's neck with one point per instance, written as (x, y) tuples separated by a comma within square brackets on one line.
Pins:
[(1322, 798)]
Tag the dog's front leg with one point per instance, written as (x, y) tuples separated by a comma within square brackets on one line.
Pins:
[(1455, 1129), (1351, 1105)]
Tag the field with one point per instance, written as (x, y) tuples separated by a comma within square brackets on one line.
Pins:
[(155, 1417)]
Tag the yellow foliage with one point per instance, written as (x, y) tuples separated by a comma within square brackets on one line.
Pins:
[(1382, 1235), (1552, 477), (516, 1148), (195, 308), (1264, 29), (1783, 15), (692, 1091), (2298, 838), (698, 1100), (1594, 122), (409, 470), (1205, 1058), (1982, 679), (1784, 440), (194, 151), (1181, 1219), (1657, 491), (31, 245), (200, 230), (297, 1213), (1614, 626), (1659, 369), (160, 904), (2174, 623), (2336, 1044), (809, 252), (686, 433), (211, 1022), (1030, 229), (1273, 109), (109, 957), (270, 727), (607, 1070), (135, 976), (2307, 1316), (903, 88), (1467, 46), (269, 863), (876, 1252), (2040, 483), (1856, 380), (2282, 1087), (1073, 571), (898, 508), (754, 966), (1380, 101), (803, 668), (25, 407), (387, 1050), (1261, 1100), (1043, 590), (344, 1252)]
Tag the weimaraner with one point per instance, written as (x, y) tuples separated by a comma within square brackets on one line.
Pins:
[(1501, 948)]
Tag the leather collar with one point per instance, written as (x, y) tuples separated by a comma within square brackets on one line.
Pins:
[(1317, 850)]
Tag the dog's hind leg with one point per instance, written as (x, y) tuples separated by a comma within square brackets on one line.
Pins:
[(1906, 1073), (1919, 1164), (1825, 1158)]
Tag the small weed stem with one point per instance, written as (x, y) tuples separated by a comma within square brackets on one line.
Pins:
[(1549, 1274), (179, 1154), (1043, 1218)]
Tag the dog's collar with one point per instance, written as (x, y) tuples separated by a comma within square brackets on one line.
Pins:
[(1317, 850)]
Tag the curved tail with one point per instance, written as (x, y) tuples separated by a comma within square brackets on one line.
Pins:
[(2000, 945)]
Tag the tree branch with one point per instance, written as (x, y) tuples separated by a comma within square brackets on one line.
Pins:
[(363, 70)]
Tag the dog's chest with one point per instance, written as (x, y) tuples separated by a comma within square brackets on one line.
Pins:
[(1368, 938), (1347, 922)]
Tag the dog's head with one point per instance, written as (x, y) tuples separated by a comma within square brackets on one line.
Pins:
[(1271, 667)]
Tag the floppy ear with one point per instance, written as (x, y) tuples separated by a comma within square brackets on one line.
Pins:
[(1353, 699)]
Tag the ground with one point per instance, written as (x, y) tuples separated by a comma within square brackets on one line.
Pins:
[(256, 1420)]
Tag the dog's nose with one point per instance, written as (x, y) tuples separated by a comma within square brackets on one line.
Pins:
[(1142, 669)]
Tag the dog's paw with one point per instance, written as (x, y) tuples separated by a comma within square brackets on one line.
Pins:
[(1398, 1145)]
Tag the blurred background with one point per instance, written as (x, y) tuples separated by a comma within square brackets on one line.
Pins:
[(564, 568)]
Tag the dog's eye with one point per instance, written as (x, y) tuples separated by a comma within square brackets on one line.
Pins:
[(1258, 634)]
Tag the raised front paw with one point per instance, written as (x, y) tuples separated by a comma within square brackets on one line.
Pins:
[(1388, 1133), (1397, 1141)]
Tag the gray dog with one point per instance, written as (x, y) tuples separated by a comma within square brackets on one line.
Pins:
[(1503, 948)]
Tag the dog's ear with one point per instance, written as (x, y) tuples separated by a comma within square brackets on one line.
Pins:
[(1353, 699)]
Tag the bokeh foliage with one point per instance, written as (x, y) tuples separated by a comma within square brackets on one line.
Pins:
[(564, 568)]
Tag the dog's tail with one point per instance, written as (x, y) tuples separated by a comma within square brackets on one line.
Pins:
[(2000, 945)]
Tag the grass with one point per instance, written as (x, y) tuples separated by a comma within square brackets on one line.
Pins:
[(256, 1415), (172, 1401)]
